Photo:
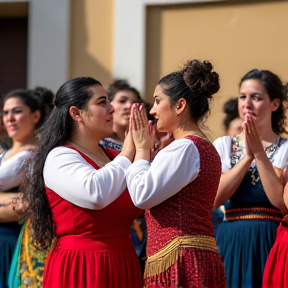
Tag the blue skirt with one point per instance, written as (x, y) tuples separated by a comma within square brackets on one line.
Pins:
[(8, 238), (244, 246)]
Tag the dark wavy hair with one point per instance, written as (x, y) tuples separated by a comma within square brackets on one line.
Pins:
[(196, 83), (39, 98), (230, 108), (121, 85), (275, 90), (55, 132)]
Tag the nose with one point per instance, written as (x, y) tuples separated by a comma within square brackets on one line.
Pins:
[(153, 110), (110, 108), (9, 117), (128, 105)]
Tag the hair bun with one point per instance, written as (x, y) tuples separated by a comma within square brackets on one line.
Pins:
[(199, 77), (45, 94)]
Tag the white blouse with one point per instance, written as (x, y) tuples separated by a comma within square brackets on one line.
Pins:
[(224, 146), (172, 169), (68, 174), (11, 170)]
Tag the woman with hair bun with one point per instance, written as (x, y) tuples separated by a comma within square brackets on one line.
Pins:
[(23, 112), (252, 182), (178, 188)]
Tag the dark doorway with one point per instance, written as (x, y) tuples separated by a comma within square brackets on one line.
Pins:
[(13, 53)]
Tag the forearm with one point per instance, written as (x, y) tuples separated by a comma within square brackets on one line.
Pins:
[(231, 180), (271, 183), (7, 214), (6, 209)]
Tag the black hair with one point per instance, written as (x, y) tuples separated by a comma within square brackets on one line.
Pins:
[(196, 83), (121, 85), (38, 98), (230, 108), (55, 132), (275, 90)]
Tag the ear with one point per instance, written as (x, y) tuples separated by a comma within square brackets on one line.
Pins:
[(36, 116), (75, 113), (275, 103), (180, 106)]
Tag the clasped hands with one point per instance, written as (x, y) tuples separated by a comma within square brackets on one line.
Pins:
[(140, 138), (253, 145)]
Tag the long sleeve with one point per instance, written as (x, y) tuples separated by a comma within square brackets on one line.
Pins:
[(12, 172), (281, 156), (172, 169), (71, 177), (223, 147)]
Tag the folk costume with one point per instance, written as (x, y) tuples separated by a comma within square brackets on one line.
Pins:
[(93, 212), (11, 177), (248, 233), (178, 190)]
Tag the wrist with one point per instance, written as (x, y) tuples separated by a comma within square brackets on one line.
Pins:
[(261, 155)]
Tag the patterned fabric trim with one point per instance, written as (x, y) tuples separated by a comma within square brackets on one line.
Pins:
[(253, 213), (168, 255)]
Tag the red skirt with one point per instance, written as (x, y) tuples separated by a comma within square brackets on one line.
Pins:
[(276, 268), (87, 263)]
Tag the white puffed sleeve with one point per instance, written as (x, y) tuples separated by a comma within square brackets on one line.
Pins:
[(172, 169), (12, 172), (281, 156), (71, 177), (223, 147)]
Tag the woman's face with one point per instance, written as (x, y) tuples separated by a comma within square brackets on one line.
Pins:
[(254, 100), (162, 111), (122, 103), (235, 127), (18, 120), (97, 118)]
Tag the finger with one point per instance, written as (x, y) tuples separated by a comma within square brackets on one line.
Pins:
[(131, 121), (144, 113), (137, 119)]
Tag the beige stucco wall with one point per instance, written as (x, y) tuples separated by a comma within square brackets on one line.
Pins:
[(235, 37), (91, 41)]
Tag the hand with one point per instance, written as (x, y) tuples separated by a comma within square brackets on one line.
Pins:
[(143, 131), (128, 148), (247, 152), (19, 205), (253, 138)]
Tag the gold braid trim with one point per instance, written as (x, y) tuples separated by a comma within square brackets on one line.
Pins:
[(168, 255)]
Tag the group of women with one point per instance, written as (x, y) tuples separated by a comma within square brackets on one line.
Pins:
[(81, 196)]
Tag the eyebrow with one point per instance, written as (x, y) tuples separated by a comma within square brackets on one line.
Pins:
[(102, 97), (17, 107)]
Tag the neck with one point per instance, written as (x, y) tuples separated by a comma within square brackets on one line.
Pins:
[(187, 129), (267, 134), (118, 133), (32, 141), (87, 144)]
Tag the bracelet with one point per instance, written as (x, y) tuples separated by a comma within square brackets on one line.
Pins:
[(143, 149)]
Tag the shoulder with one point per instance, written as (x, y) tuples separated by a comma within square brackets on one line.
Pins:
[(224, 141), (62, 151)]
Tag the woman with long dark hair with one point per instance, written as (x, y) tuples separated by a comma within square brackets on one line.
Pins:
[(78, 194), (23, 112)]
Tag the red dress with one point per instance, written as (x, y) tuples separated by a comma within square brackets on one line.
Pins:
[(181, 248), (276, 268), (93, 248)]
